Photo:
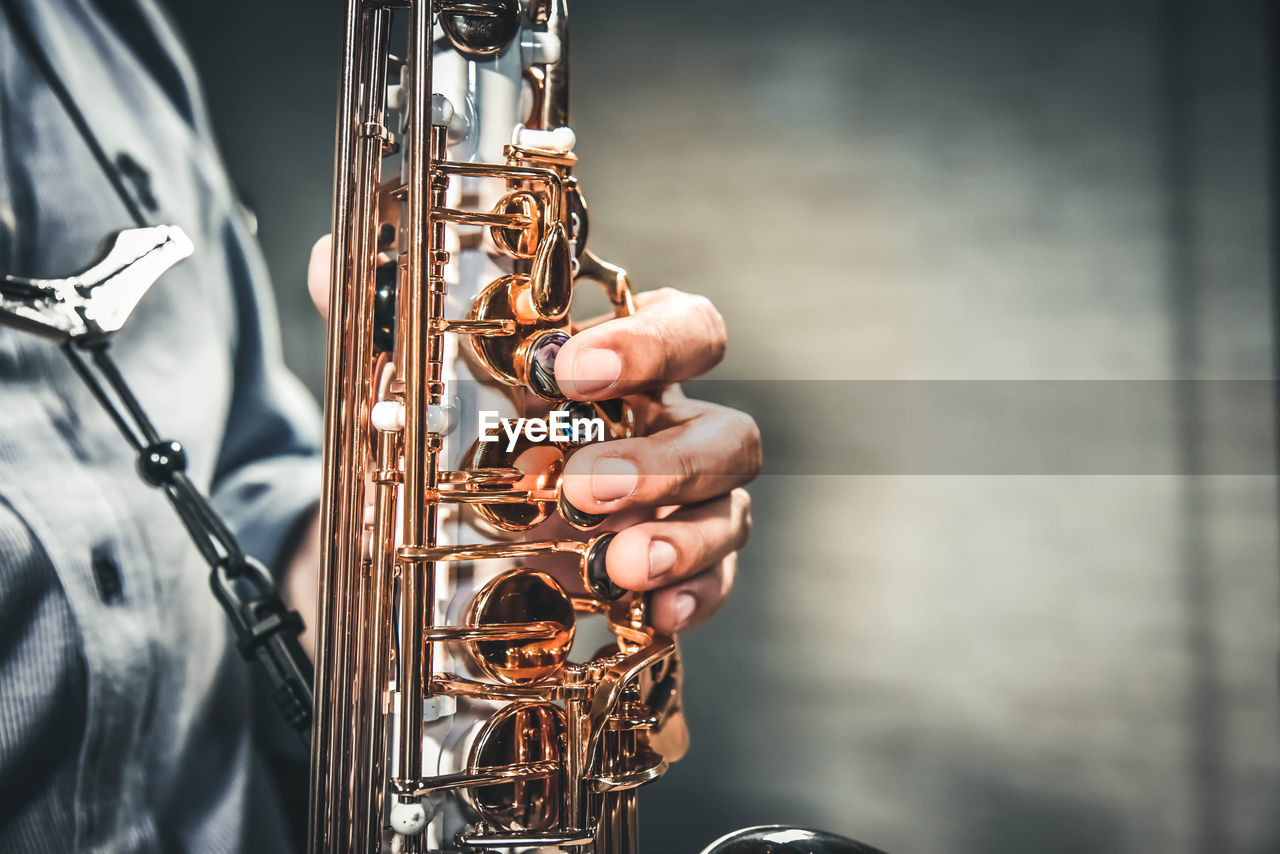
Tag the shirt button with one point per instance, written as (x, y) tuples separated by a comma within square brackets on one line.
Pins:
[(136, 175), (107, 576)]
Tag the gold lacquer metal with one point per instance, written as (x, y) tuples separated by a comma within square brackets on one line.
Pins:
[(523, 596), (556, 744)]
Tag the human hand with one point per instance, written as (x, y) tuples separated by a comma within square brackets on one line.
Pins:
[(675, 494), (683, 479)]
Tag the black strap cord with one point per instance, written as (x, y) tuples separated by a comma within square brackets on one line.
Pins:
[(266, 631)]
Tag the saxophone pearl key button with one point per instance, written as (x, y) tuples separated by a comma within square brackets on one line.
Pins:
[(441, 109), (387, 416), (577, 518), (560, 140), (444, 114), (580, 415), (439, 418), (437, 707), (542, 364), (540, 48), (597, 571), (409, 819)]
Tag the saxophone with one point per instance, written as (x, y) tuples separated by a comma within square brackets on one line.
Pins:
[(462, 702), (448, 711)]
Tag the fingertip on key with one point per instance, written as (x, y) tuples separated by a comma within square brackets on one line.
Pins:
[(590, 372), (613, 479), (662, 559), (682, 609)]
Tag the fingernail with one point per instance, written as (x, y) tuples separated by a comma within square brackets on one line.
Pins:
[(662, 558), (612, 479), (684, 607), (594, 370)]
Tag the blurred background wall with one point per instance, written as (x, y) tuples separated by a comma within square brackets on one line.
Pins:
[(985, 610)]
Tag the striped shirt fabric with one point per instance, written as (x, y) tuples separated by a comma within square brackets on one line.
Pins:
[(128, 721)]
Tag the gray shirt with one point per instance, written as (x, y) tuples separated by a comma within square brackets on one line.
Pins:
[(127, 718)]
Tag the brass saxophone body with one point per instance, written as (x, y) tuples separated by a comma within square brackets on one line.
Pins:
[(453, 709)]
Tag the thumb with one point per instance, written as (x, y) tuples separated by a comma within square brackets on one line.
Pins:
[(318, 274)]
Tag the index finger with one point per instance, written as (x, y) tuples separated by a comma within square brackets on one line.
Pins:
[(673, 336)]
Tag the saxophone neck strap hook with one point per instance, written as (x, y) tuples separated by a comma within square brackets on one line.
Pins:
[(93, 305), (82, 312)]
